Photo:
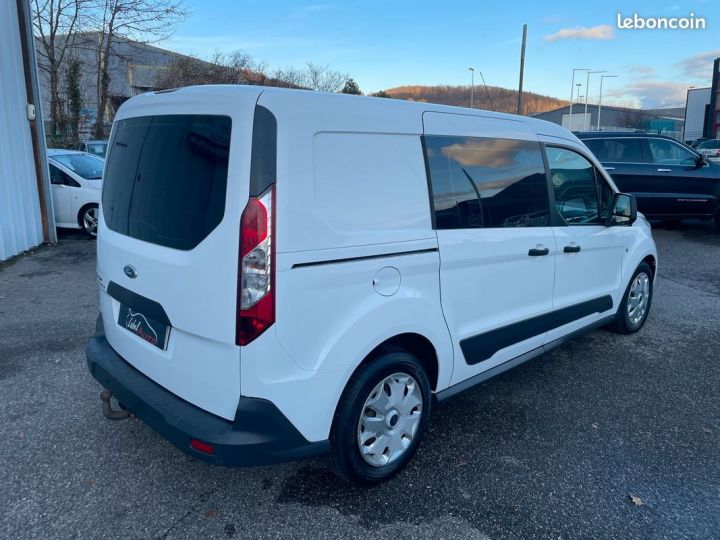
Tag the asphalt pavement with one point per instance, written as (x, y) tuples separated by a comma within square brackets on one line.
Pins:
[(607, 436)]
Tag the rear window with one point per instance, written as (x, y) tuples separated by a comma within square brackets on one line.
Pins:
[(487, 183), (166, 178), (616, 150)]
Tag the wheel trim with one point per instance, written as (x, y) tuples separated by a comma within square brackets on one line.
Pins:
[(638, 298), (389, 419), (90, 220)]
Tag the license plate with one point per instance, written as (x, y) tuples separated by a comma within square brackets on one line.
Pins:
[(152, 331)]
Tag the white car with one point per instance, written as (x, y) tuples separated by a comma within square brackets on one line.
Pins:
[(284, 273), (710, 149), (76, 179)]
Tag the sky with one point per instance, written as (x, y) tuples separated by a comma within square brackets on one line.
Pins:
[(388, 43)]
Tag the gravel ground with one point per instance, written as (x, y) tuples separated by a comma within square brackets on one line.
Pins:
[(554, 448)]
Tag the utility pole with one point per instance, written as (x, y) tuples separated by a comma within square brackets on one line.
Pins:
[(522, 70), (587, 93), (472, 87), (572, 94)]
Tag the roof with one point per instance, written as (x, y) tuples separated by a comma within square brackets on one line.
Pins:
[(215, 93), (62, 151), (620, 135)]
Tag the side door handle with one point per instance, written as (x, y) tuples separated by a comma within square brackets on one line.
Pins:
[(538, 251), (609, 168), (571, 248), (664, 170)]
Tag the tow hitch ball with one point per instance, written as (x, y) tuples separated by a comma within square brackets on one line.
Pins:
[(108, 411)]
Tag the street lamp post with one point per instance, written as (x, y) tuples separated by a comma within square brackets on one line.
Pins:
[(602, 77), (472, 87), (572, 93), (587, 93)]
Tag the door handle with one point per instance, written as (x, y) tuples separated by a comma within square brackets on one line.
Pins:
[(539, 251), (571, 248), (664, 170), (609, 168)]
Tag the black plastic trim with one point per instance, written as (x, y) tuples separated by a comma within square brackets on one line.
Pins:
[(149, 308), (505, 366), (260, 434), (483, 346), (263, 158), (363, 257)]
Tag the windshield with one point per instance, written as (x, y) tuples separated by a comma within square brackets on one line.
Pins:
[(85, 165), (712, 144), (98, 149)]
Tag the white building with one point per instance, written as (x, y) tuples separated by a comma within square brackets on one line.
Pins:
[(26, 217)]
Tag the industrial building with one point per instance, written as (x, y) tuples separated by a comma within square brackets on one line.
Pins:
[(26, 218)]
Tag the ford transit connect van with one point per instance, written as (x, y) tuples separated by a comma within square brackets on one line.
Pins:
[(284, 273)]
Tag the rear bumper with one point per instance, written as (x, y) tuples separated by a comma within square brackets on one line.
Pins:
[(259, 435)]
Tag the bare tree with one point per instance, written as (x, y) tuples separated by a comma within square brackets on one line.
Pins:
[(143, 21), (55, 23), (322, 78), (633, 119)]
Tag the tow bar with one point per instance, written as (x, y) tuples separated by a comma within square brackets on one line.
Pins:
[(108, 411)]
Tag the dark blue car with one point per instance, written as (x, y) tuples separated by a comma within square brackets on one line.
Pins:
[(670, 180)]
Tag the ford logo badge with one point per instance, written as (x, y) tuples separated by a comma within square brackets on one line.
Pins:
[(130, 271)]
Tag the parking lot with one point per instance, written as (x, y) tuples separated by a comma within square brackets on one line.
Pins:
[(607, 436)]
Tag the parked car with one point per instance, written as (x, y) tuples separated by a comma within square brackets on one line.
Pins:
[(670, 180), (76, 179), (710, 149), (326, 321), (95, 147)]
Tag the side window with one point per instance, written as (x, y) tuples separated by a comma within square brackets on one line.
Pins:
[(579, 198), (669, 153), (625, 150), (56, 175), (490, 183)]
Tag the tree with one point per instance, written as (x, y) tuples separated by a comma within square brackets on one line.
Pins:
[(73, 75), (143, 21), (382, 94), (322, 78), (633, 119), (55, 22), (351, 87)]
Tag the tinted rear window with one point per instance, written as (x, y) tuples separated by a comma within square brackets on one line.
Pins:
[(482, 182), (616, 150), (166, 178)]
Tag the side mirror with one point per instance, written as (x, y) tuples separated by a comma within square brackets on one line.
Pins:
[(701, 160), (624, 209)]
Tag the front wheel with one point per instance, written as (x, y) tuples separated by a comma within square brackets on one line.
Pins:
[(635, 305), (381, 418), (88, 219)]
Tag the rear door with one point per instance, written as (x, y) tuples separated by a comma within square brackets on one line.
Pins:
[(684, 189), (625, 160), (62, 185), (176, 181), (497, 249)]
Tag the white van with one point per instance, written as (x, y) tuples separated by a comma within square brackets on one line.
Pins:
[(286, 272)]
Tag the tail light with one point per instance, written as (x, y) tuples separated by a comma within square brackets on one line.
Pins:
[(256, 272)]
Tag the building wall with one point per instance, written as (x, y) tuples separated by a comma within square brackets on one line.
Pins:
[(20, 220)]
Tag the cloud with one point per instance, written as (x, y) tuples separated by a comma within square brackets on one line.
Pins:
[(699, 66), (652, 94), (639, 71), (602, 31)]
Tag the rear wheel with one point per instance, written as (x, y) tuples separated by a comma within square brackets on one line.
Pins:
[(88, 219), (635, 305), (381, 418)]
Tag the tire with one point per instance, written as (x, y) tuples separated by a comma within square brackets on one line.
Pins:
[(400, 428), (88, 219), (627, 322)]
